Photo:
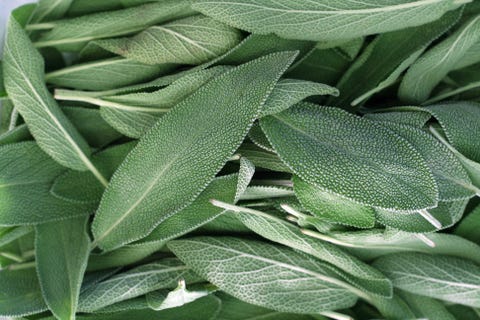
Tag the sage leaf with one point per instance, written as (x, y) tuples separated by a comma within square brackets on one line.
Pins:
[(435, 64), (26, 176), (323, 21), (133, 283), (62, 250), (385, 58), (442, 277), (50, 127), (125, 216), (191, 40), (415, 118), (351, 269), (47, 10), (333, 208), (468, 226), (307, 137), (72, 34), (20, 294), (249, 271), (289, 92), (262, 158), (426, 307), (106, 74), (178, 297)]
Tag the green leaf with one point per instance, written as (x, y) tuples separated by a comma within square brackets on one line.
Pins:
[(469, 225), (289, 92), (191, 40), (471, 57), (218, 117), (322, 21), (133, 283), (442, 277), (446, 214), (435, 64), (72, 34), (47, 10), (417, 118), (234, 309), (332, 207), (61, 250), (66, 185), (266, 192), (3, 93), (81, 7), (249, 270), (106, 74), (262, 158), (26, 176), (160, 300), (385, 58), (386, 173), (20, 294), (24, 83), (427, 308), (259, 138), (459, 121), (352, 270), (18, 134)]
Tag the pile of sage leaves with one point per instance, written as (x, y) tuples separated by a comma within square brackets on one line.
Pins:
[(240, 160)]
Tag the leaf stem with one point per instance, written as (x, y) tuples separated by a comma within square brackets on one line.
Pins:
[(11, 256), (326, 238), (13, 119), (336, 315), (440, 97), (431, 219), (425, 240), (39, 26), (21, 266), (70, 95)]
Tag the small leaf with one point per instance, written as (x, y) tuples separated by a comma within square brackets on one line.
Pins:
[(62, 250), (191, 40), (372, 165), (249, 270), (442, 277), (218, 117), (317, 21)]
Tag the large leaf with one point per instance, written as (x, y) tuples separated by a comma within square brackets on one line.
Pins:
[(135, 282), (372, 165), (20, 294), (106, 74), (50, 10), (26, 175), (192, 40), (176, 152), (323, 20), (277, 230), (72, 34), (26, 88), (447, 278), (62, 250), (435, 64), (264, 274)]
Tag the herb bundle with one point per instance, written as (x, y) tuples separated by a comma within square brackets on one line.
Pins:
[(240, 159)]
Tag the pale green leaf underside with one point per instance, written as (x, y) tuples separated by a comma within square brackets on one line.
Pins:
[(323, 20), (372, 165), (217, 117), (249, 270)]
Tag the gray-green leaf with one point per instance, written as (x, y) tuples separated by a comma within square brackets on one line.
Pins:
[(176, 152)]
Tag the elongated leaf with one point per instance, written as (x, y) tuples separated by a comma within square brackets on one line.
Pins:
[(469, 225), (277, 230), (26, 175), (72, 34), (471, 57), (330, 20), (24, 83), (62, 250), (66, 185), (412, 118), (387, 57), (133, 283), (138, 303), (131, 208), (266, 192), (50, 10), (289, 92), (192, 40), (332, 207), (81, 7), (307, 137), (249, 270), (20, 294), (262, 158), (426, 307), (18, 134), (234, 309), (430, 69), (447, 278), (446, 213), (106, 74)]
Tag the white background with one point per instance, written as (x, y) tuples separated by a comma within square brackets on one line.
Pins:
[(5, 7)]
